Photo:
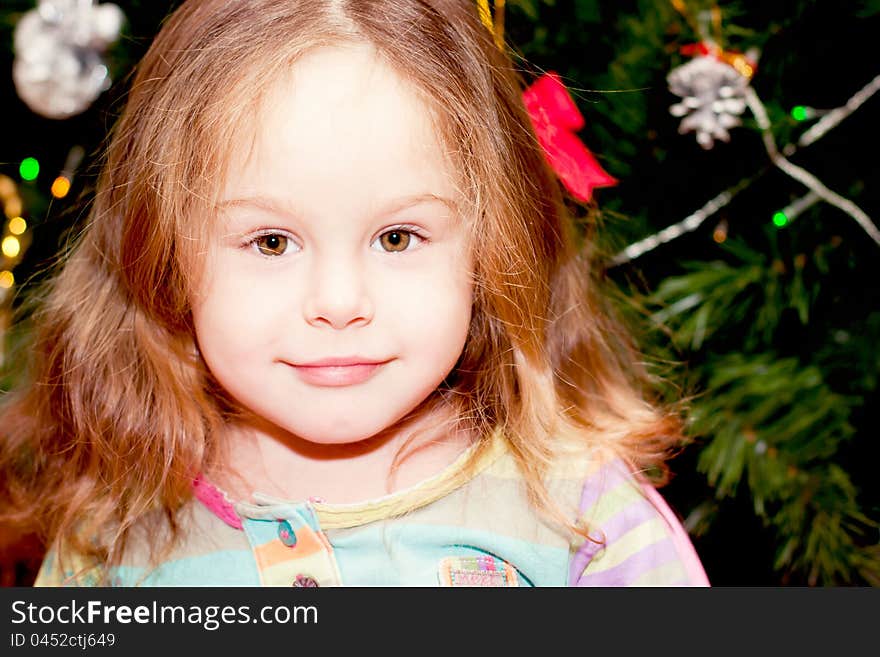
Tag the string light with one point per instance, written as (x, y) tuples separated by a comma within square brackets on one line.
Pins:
[(819, 130), (800, 113), (742, 65), (803, 176), (60, 187), (7, 187), (720, 232), (29, 168), (12, 207), (787, 214), (832, 117), (11, 247), (17, 225)]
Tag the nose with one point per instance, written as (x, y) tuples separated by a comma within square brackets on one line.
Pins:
[(338, 295)]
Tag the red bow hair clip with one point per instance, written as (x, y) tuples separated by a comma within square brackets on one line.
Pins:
[(556, 118)]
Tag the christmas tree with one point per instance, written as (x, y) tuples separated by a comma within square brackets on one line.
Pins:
[(736, 230), (741, 236)]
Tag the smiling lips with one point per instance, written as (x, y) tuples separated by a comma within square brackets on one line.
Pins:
[(334, 372)]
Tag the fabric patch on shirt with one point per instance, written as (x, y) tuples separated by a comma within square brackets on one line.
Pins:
[(477, 571)]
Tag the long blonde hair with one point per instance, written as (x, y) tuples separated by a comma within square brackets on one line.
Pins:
[(118, 413)]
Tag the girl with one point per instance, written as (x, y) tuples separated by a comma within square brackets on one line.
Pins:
[(328, 325)]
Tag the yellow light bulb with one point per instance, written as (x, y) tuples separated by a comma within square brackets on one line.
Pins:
[(17, 225), (11, 247), (12, 207), (7, 280)]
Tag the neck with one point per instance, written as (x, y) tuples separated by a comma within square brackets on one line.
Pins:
[(264, 459)]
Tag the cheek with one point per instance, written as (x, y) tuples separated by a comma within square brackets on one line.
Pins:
[(434, 311), (232, 317)]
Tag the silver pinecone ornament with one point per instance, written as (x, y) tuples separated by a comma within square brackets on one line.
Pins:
[(713, 94)]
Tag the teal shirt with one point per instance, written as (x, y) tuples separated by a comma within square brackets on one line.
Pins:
[(460, 528)]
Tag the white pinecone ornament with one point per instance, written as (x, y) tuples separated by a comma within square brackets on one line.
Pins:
[(713, 95)]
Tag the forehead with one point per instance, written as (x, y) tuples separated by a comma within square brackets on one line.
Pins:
[(341, 128)]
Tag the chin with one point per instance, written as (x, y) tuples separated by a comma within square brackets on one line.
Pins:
[(334, 438), (335, 434)]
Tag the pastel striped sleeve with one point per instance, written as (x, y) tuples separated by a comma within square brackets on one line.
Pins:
[(642, 541)]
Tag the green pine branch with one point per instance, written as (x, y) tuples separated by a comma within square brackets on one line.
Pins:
[(747, 296), (775, 426)]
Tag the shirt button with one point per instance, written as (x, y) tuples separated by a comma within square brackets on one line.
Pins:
[(305, 581), (286, 533)]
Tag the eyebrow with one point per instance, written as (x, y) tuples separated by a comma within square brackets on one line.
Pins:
[(278, 206)]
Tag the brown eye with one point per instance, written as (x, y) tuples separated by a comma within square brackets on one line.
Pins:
[(271, 245), (395, 240)]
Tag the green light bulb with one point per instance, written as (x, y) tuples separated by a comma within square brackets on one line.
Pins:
[(779, 219), (799, 113), (29, 168)]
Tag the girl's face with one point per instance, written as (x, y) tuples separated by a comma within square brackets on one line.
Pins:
[(339, 238)]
